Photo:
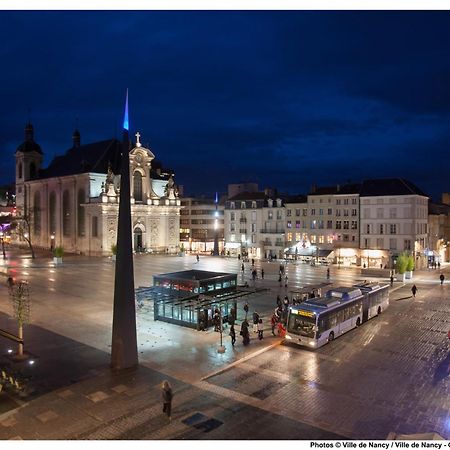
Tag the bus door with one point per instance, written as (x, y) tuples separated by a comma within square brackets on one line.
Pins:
[(365, 308)]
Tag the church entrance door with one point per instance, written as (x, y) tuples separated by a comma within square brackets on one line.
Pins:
[(138, 247)]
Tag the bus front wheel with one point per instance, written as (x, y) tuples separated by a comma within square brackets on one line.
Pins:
[(379, 310), (331, 337), (358, 322)]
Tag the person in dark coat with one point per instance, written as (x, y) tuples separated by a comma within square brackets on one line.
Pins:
[(233, 335), (442, 278), (255, 322), (246, 310), (262, 274), (414, 290), (167, 396), (244, 333)]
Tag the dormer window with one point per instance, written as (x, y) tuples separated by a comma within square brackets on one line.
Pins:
[(232, 205), (242, 205), (270, 203), (278, 202), (254, 205)]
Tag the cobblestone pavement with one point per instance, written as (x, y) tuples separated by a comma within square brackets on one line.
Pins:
[(391, 374)]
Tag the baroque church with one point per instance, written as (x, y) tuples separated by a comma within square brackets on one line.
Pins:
[(74, 202)]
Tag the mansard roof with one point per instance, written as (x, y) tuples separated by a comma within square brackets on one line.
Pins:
[(389, 186), (343, 189), (249, 196)]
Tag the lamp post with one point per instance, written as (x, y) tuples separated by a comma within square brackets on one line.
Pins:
[(2, 238), (221, 348), (52, 242)]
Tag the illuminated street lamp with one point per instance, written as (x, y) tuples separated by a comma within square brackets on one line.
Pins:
[(2, 239)]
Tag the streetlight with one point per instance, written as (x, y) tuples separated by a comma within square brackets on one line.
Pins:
[(221, 348), (2, 238), (52, 242)]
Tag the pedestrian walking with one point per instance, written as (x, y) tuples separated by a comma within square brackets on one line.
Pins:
[(328, 273), (253, 262), (439, 265), (167, 396), (414, 290), (273, 322), (254, 275), (279, 279), (198, 258), (233, 335), (442, 278), (255, 321), (392, 280), (286, 281), (279, 303), (246, 310), (242, 268), (239, 257), (216, 320), (260, 329), (262, 274)]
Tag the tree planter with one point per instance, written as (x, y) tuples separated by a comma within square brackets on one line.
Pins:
[(57, 260), (181, 253), (400, 277), (409, 274)]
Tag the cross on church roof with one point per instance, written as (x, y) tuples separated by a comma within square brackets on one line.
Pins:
[(138, 135)]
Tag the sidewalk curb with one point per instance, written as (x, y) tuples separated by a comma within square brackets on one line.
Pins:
[(241, 360)]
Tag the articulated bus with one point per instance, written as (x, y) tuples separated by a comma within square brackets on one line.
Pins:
[(320, 320)]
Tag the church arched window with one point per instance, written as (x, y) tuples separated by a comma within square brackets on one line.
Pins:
[(66, 213), (20, 174), (37, 213), (52, 211), (137, 186), (81, 213)]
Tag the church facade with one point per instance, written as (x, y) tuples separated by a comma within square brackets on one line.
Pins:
[(74, 202)]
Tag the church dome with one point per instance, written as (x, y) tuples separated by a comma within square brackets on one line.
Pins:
[(28, 145)]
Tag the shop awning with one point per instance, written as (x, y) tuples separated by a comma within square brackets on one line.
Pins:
[(324, 253)]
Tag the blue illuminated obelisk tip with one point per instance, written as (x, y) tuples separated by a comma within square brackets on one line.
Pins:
[(216, 200), (125, 117)]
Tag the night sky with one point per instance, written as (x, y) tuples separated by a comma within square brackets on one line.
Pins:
[(286, 99)]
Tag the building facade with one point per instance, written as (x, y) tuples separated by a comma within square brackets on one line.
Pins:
[(439, 231), (394, 219), (201, 219), (74, 202), (254, 225)]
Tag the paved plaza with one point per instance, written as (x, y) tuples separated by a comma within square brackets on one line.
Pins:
[(391, 374)]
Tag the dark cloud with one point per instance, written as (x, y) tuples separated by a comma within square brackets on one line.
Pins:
[(284, 98)]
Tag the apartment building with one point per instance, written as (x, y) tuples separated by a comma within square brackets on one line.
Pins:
[(439, 231), (200, 220), (254, 225), (394, 219)]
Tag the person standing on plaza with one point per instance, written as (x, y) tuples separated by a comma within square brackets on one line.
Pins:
[(198, 258), (260, 329), (273, 322), (242, 268), (246, 310), (255, 321), (414, 290), (392, 280), (253, 262), (262, 273), (167, 396), (439, 265), (286, 281), (233, 335), (279, 278), (244, 333), (442, 278), (328, 273)]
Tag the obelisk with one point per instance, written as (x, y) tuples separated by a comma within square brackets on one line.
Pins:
[(124, 341)]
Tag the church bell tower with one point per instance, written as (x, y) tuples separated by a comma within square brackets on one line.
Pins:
[(28, 163)]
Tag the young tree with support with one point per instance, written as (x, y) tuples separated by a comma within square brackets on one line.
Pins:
[(20, 298)]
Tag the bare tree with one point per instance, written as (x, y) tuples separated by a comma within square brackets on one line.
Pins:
[(24, 230)]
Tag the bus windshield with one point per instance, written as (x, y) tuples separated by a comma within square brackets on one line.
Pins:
[(302, 325)]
